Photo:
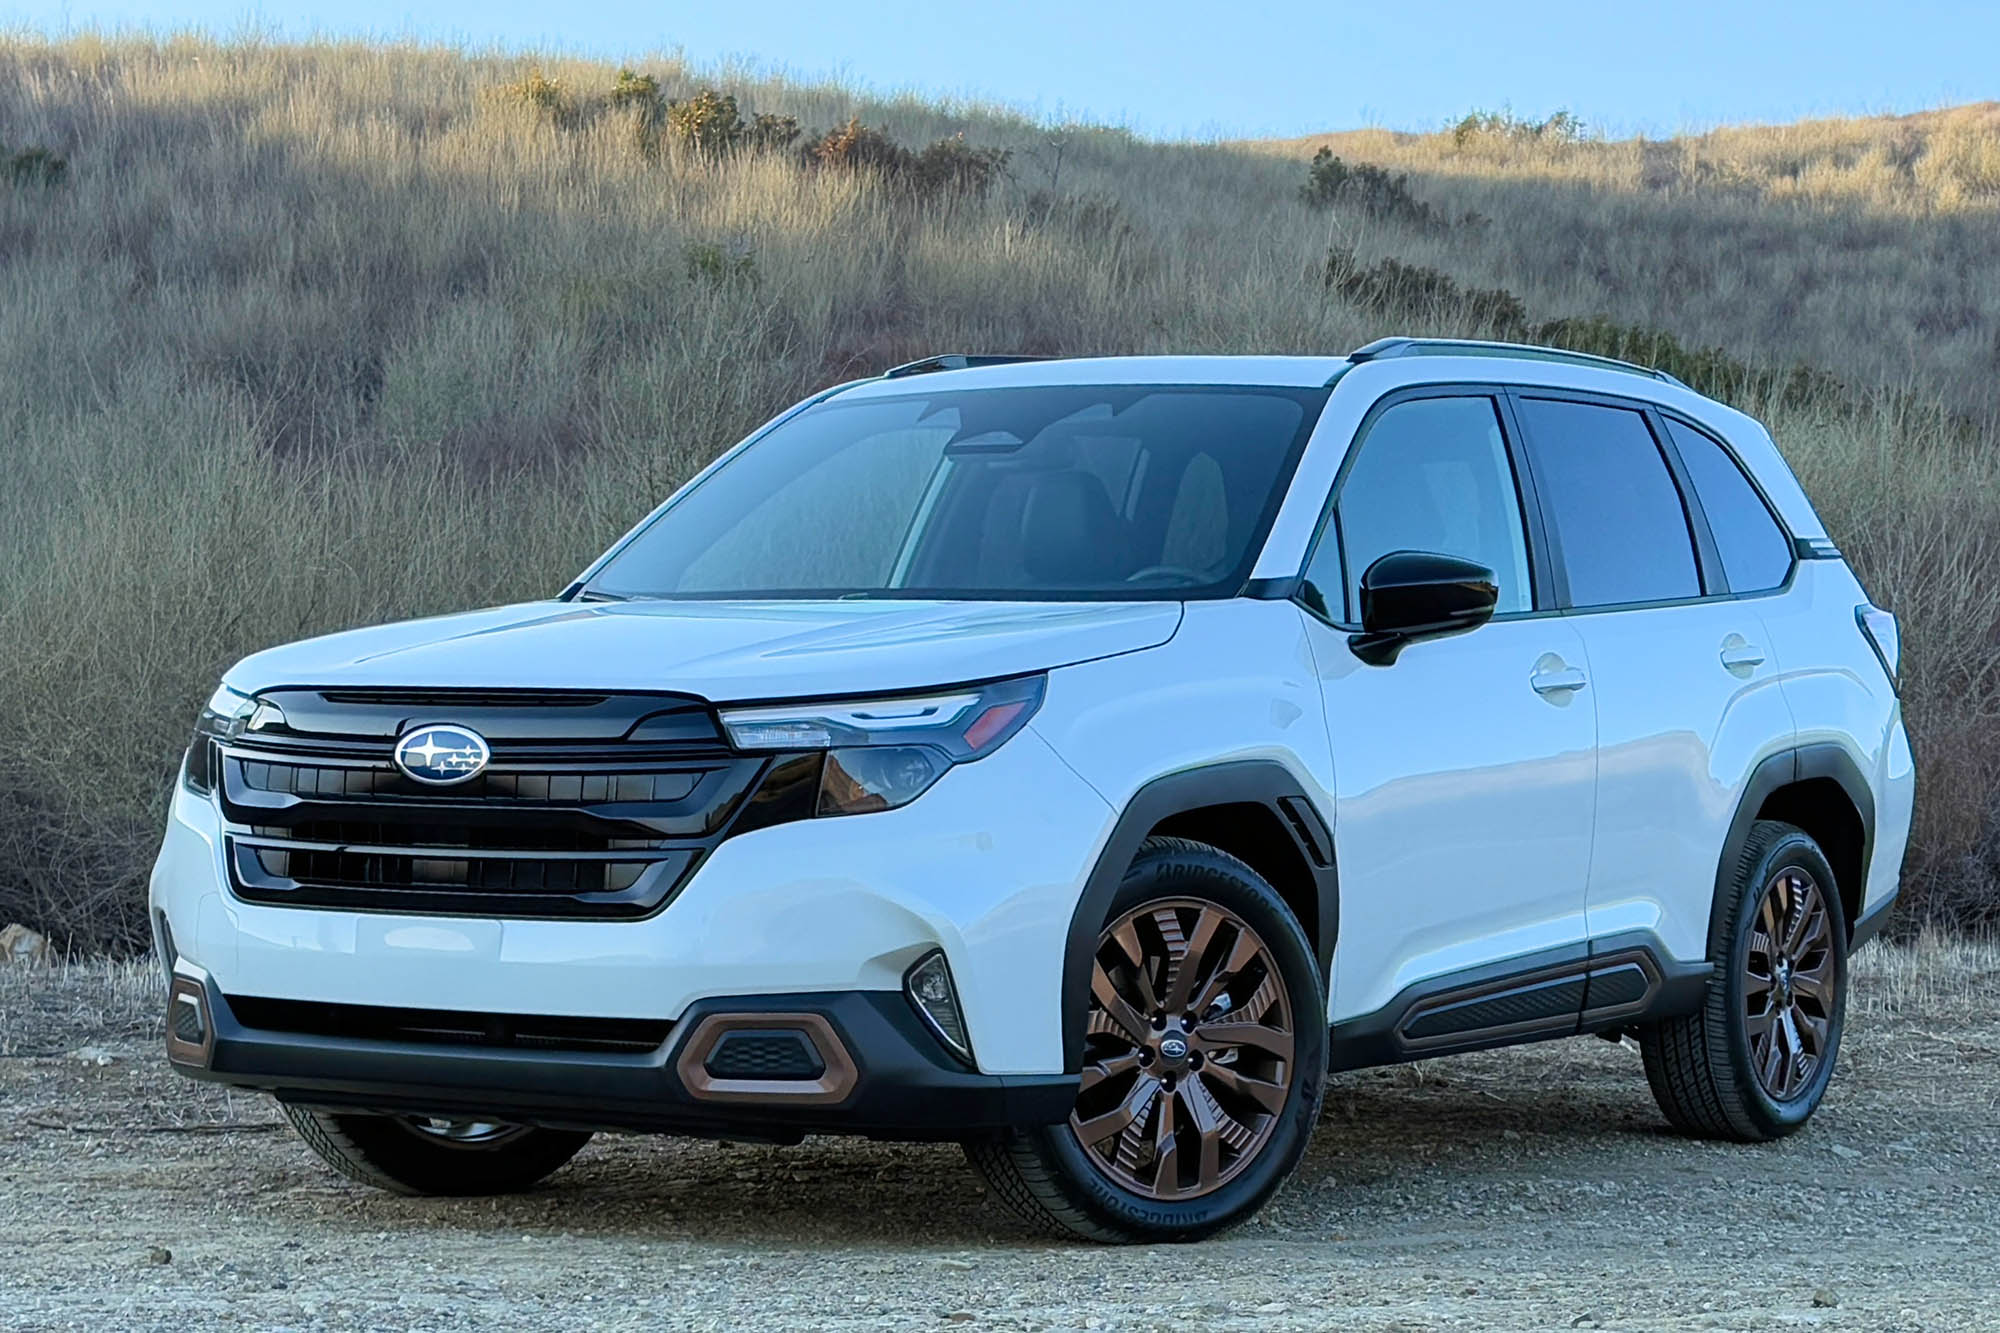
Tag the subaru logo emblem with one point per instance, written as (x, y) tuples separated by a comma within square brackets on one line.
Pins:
[(1173, 1048), (442, 755)]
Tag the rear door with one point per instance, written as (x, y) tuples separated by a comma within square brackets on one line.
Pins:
[(1681, 664), (1463, 771)]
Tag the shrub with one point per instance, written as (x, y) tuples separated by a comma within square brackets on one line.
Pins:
[(33, 166), (1709, 370), (856, 147), (1391, 287), (1558, 130), (1373, 190), (550, 98), (954, 167), (949, 168), (640, 92), (1398, 290), (721, 265)]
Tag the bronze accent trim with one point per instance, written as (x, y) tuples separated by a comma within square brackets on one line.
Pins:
[(185, 990), (833, 1085)]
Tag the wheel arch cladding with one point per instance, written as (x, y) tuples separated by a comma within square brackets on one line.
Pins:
[(1819, 789), (1254, 810)]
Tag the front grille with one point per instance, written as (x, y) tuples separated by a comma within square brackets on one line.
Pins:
[(592, 805), (442, 1027)]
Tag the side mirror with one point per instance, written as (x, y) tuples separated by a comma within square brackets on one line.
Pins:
[(1412, 595)]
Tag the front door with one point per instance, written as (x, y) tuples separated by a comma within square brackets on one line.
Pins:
[(1464, 772)]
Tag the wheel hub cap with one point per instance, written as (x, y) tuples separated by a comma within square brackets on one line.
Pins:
[(1789, 981), (1188, 1052)]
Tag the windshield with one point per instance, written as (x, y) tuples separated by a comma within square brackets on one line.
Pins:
[(1054, 492)]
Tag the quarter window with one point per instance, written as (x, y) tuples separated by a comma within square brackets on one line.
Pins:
[(1756, 553), (1432, 474), (1620, 524)]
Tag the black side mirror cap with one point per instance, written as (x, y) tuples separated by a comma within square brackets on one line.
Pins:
[(1411, 595)]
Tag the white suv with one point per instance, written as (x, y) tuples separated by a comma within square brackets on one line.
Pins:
[(1077, 759)]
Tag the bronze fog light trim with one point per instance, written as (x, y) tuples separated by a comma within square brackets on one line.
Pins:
[(190, 1026), (837, 1077)]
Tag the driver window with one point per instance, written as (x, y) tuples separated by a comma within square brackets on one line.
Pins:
[(1431, 475)]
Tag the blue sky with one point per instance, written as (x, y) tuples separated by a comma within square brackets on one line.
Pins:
[(1173, 69)]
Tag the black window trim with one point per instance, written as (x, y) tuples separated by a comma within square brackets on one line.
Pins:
[(1543, 574), (1792, 543), (1708, 562)]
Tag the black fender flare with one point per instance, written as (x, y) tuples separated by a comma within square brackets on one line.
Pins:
[(1800, 764), (1238, 782)]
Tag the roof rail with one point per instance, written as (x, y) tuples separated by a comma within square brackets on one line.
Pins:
[(1384, 348), (952, 361)]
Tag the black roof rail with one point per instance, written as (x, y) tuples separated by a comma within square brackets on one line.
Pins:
[(1384, 348), (952, 361)]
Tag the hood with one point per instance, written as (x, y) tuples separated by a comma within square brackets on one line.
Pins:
[(721, 651)]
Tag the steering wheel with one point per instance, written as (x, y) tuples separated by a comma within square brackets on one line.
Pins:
[(1181, 572)]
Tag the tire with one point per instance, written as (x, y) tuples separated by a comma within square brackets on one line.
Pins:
[(398, 1154), (1176, 1170), (1712, 1071)]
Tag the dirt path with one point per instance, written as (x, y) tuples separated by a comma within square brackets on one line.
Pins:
[(1533, 1189)]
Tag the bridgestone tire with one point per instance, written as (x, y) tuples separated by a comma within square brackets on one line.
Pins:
[(1700, 1066), (392, 1154), (1046, 1176)]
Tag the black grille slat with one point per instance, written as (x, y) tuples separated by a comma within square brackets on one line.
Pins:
[(437, 1027), (603, 814)]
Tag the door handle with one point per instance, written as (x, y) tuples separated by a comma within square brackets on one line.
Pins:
[(1558, 680), (1741, 656)]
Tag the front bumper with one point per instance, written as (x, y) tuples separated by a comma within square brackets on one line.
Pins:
[(889, 1079), (987, 866)]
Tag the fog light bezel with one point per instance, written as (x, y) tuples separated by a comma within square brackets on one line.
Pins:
[(959, 1045), (185, 992)]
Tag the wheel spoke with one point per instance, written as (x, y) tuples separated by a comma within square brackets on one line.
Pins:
[(1814, 1028), (1804, 914), (1241, 954), (1166, 1152), (1113, 1122), (1116, 1006), (1187, 966), (1207, 1117), (1816, 982), (1774, 1060), (1795, 1051), (1271, 1040), (1126, 936), (1268, 1095), (1109, 1067)]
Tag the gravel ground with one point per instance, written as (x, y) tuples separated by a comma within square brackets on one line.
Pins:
[(1530, 1189)]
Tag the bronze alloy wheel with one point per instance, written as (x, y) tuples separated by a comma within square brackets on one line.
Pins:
[(1188, 1057), (1789, 979), (462, 1133)]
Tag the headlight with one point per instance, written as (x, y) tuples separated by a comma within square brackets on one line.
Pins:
[(877, 754), (227, 715)]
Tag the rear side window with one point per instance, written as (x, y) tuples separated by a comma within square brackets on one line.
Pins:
[(1756, 554), (1620, 525)]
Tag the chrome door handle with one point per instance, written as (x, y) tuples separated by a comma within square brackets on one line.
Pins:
[(1559, 681), (1741, 656)]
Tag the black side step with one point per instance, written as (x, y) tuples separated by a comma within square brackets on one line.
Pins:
[(1593, 987)]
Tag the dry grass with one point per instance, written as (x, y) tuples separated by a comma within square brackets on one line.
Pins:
[(312, 336)]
